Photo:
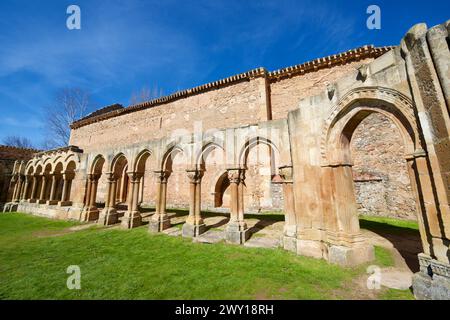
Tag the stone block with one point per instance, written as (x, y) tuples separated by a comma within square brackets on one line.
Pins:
[(234, 233), (191, 231), (290, 243), (155, 226), (310, 248), (347, 257)]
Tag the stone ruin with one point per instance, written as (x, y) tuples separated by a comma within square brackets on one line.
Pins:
[(273, 140)]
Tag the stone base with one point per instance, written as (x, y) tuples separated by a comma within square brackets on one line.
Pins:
[(64, 203), (311, 248), (131, 220), (158, 225), (10, 207), (41, 201), (91, 215), (348, 257), (290, 243), (52, 203), (236, 233), (432, 282), (108, 217), (191, 231), (53, 212)]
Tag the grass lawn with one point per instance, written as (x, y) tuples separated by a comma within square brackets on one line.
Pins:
[(133, 264)]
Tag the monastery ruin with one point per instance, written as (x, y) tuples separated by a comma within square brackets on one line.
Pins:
[(364, 131)]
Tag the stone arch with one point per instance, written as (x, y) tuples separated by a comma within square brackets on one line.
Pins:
[(141, 159), (207, 147), (255, 141), (139, 166), (119, 167), (221, 186), (171, 152), (97, 165), (339, 200), (355, 106)]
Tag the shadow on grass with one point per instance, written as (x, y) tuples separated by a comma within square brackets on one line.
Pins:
[(266, 219), (405, 239)]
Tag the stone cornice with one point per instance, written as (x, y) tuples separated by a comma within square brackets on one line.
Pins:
[(357, 54), (307, 67), (59, 150)]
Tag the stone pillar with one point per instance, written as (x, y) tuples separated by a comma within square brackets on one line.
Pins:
[(346, 245), (91, 211), (17, 188), (421, 211), (109, 214), (194, 225), (236, 230), (160, 220), (25, 188), (33, 190), (43, 189), (132, 218), (65, 196), (52, 200), (290, 226)]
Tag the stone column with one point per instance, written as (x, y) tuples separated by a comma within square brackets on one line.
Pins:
[(290, 226), (52, 200), (160, 220), (67, 181), (33, 190), (236, 230), (132, 217), (25, 188), (91, 211), (17, 187), (43, 189), (194, 225), (109, 214), (346, 245)]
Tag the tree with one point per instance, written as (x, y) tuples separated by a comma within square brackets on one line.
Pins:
[(19, 142), (71, 104), (146, 94)]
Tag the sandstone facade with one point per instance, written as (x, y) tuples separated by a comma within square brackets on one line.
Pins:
[(292, 139)]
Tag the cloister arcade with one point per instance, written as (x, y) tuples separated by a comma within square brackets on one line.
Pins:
[(278, 142)]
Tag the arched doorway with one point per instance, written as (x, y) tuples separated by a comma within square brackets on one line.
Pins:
[(340, 206)]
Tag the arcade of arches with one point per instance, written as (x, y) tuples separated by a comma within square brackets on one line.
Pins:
[(366, 131)]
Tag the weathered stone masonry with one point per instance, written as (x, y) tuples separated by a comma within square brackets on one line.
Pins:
[(255, 140)]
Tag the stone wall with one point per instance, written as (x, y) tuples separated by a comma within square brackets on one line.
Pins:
[(234, 105), (287, 93), (380, 174)]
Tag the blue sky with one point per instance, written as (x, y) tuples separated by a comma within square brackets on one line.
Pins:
[(126, 45)]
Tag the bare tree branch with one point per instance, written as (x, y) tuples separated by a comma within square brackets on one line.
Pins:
[(71, 104), (146, 94), (19, 142)]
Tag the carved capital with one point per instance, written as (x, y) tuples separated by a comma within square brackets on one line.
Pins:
[(161, 176), (234, 175), (134, 176), (195, 176)]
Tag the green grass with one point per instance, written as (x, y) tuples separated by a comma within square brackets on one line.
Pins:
[(383, 257), (388, 224), (133, 264), (394, 294)]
